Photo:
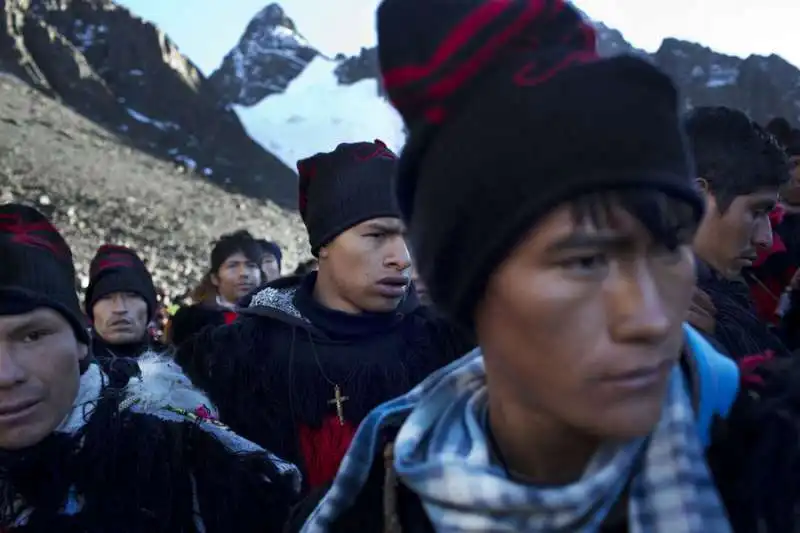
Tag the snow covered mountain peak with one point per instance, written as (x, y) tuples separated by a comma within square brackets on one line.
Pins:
[(272, 15), (268, 56), (318, 112)]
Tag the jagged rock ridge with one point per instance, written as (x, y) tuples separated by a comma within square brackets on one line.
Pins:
[(765, 87), (269, 55)]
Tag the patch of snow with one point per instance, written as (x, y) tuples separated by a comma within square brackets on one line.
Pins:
[(163, 125), (315, 114), (722, 77), (85, 34), (207, 172), (698, 72), (186, 161), (136, 72)]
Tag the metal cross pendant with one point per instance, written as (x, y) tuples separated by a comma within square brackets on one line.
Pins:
[(338, 400)]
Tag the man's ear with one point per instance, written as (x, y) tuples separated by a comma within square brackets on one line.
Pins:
[(214, 280), (323, 252), (702, 185)]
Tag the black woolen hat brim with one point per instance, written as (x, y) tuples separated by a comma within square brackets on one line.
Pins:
[(18, 301), (472, 188), (359, 193)]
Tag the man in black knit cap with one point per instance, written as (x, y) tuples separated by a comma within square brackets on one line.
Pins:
[(309, 356), (551, 204), (77, 455), (120, 302)]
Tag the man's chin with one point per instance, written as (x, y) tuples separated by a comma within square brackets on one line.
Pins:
[(383, 305), (244, 291), (25, 436), (123, 338)]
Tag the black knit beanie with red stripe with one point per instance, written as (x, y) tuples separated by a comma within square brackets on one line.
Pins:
[(36, 267), (343, 188), (118, 269), (510, 113)]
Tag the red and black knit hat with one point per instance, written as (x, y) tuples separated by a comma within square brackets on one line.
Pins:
[(36, 267), (510, 113), (346, 187), (119, 269)]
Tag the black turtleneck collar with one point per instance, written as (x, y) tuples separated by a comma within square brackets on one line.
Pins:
[(341, 325)]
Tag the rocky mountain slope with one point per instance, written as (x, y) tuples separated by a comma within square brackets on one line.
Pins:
[(263, 81), (126, 75), (97, 188)]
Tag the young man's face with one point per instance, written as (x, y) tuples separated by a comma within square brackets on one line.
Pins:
[(730, 241), (270, 267), (120, 318), (237, 276), (368, 266), (581, 326), (39, 375)]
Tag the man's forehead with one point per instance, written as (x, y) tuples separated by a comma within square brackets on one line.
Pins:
[(29, 318), (238, 257)]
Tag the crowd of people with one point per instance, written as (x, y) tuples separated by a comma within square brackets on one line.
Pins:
[(565, 307)]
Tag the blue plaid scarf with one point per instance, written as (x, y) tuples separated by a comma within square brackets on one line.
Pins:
[(442, 454)]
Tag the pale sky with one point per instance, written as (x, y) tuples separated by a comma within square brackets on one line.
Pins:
[(206, 29)]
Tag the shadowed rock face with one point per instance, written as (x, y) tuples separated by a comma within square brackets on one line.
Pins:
[(126, 75), (765, 87)]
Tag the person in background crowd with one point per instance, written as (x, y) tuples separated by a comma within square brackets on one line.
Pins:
[(270, 260), (773, 278), (157, 327), (121, 302), (740, 170), (79, 456), (306, 266), (577, 412), (308, 357), (235, 271)]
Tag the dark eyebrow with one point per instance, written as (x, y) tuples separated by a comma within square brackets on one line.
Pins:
[(579, 241), (383, 227)]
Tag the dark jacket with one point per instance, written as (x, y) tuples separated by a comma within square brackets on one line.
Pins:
[(275, 371), (739, 329), (142, 461)]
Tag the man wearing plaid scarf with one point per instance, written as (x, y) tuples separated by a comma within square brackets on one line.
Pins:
[(550, 204)]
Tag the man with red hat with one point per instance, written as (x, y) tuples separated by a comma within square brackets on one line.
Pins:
[(309, 356), (121, 302), (551, 206)]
